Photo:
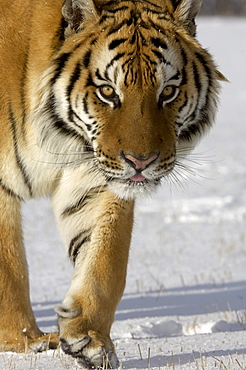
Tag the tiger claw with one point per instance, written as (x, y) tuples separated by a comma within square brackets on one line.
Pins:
[(91, 352), (45, 342)]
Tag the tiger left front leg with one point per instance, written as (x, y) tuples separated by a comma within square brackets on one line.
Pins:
[(97, 230)]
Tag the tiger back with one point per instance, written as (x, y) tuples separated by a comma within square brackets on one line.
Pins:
[(99, 103)]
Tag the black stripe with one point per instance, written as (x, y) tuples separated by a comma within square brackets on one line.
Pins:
[(113, 44), (199, 84), (127, 62), (151, 63), (157, 42), (74, 241), (115, 29), (60, 64), (60, 33), (148, 10), (99, 76), (159, 55), (23, 95), (196, 77), (76, 244), (204, 64), (117, 57), (191, 131), (85, 103), (198, 127), (154, 26), (82, 202), (145, 25), (131, 76), (86, 59), (88, 126), (176, 76), (73, 79), (185, 103), (183, 55), (9, 191), (73, 115), (133, 40), (111, 2), (90, 81), (153, 4), (17, 154), (184, 76), (64, 129), (104, 18), (176, 3), (150, 70), (57, 122), (78, 247), (113, 11)]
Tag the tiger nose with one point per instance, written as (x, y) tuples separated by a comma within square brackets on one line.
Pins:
[(139, 163)]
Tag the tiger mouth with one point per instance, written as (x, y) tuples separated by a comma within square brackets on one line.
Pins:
[(136, 182), (138, 177), (130, 189)]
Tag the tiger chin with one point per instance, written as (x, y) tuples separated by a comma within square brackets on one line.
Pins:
[(98, 101)]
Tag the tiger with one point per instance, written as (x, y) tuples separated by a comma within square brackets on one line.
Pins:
[(100, 100)]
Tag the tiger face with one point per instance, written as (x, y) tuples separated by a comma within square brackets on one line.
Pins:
[(140, 91)]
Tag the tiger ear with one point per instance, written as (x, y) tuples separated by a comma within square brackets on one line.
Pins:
[(75, 12), (186, 11)]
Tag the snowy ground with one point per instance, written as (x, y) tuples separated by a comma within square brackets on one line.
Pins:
[(184, 305)]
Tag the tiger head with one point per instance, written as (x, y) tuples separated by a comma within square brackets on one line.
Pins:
[(133, 85)]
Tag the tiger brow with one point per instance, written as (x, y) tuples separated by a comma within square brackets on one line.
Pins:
[(115, 29), (117, 57), (113, 44), (106, 76), (113, 11), (176, 76), (99, 76)]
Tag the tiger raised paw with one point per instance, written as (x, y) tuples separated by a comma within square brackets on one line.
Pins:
[(99, 102)]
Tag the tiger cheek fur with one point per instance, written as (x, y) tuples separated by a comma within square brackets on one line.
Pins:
[(98, 101)]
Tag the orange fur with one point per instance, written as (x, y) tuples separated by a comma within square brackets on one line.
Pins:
[(98, 102)]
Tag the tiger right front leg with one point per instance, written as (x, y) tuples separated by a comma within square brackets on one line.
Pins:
[(18, 329), (96, 227)]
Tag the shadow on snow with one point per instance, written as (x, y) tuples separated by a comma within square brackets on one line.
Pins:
[(184, 301)]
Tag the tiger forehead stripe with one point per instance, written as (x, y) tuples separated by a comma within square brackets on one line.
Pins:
[(113, 11), (117, 57), (117, 28), (131, 16), (157, 42), (113, 44), (126, 7)]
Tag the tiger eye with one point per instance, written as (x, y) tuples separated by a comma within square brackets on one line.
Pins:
[(107, 91), (168, 92)]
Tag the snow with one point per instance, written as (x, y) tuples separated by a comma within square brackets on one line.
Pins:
[(184, 305)]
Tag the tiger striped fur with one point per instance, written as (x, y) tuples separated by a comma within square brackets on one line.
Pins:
[(99, 100)]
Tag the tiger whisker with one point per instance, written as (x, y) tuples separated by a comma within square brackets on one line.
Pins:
[(67, 163), (71, 153), (173, 180)]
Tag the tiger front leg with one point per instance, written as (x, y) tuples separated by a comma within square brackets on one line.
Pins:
[(97, 230), (18, 329)]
